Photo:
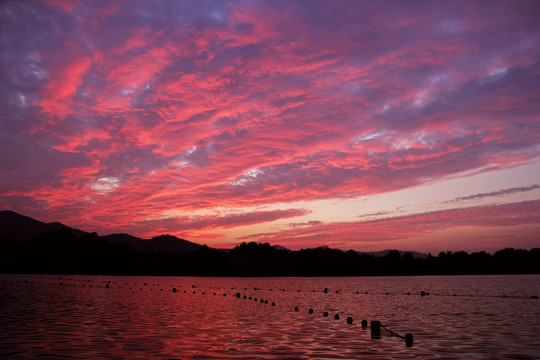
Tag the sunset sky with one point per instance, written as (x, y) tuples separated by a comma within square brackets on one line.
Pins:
[(365, 125)]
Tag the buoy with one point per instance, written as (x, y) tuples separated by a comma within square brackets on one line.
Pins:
[(375, 329), (364, 323), (296, 308), (408, 340), (107, 286), (349, 320), (336, 317), (266, 301), (325, 314), (273, 304), (325, 290), (422, 293), (310, 311)]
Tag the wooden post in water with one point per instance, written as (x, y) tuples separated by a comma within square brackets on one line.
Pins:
[(375, 329), (408, 340)]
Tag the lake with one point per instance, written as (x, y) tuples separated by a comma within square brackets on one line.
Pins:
[(123, 317)]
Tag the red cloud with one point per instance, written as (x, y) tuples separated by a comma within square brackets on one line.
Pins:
[(133, 110), (398, 229)]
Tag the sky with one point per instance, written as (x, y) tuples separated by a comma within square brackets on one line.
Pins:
[(365, 125)]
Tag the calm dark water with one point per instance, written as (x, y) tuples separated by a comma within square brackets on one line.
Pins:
[(46, 316)]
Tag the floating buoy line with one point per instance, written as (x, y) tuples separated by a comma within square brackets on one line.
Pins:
[(377, 330)]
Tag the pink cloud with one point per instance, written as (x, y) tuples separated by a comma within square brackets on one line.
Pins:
[(132, 110), (397, 230)]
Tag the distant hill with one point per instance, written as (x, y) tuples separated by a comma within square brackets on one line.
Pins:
[(20, 228), (415, 254), (52, 250), (167, 243)]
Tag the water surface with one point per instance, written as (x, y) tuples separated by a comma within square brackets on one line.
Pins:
[(473, 317)]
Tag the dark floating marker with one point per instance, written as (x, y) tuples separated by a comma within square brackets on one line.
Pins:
[(310, 311), (266, 301), (325, 314), (375, 329), (534, 297), (296, 308), (273, 304), (107, 286), (408, 340), (336, 317), (422, 293), (238, 295), (364, 323), (325, 290), (349, 320)]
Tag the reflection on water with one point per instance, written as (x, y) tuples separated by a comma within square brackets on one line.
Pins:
[(141, 317)]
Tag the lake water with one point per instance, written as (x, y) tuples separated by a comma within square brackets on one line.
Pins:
[(51, 316)]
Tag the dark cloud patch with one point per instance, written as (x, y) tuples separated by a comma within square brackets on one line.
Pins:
[(306, 223), (501, 192)]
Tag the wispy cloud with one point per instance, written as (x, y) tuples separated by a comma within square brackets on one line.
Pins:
[(114, 112), (501, 192), (387, 230)]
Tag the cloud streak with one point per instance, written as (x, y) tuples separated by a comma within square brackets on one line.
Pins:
[(501, 192)]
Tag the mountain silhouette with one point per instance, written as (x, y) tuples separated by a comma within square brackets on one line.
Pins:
[(21, 228), (31, 246), (166, 243)]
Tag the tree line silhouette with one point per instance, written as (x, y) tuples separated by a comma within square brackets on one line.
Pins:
[(61, 252)]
